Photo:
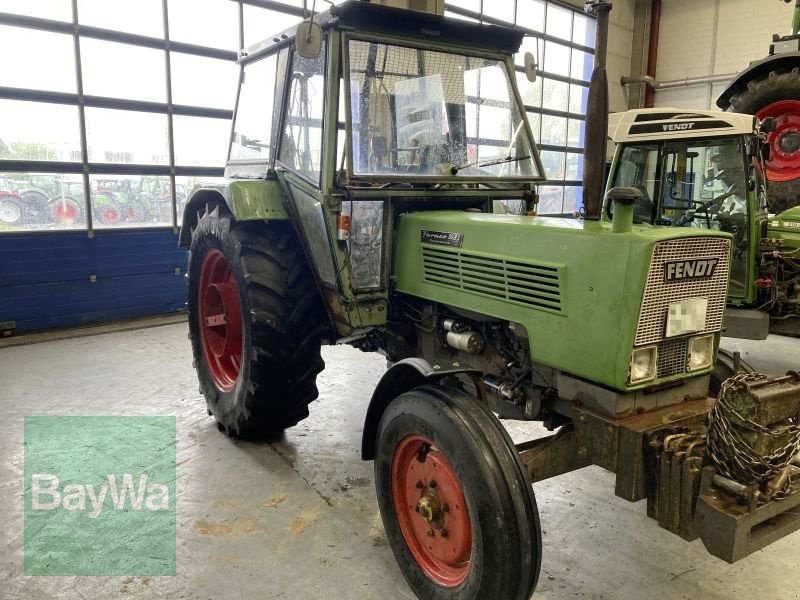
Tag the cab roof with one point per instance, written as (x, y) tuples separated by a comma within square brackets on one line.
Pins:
[(653, 124), (365, 17)]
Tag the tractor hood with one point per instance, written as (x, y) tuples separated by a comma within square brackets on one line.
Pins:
[(537, 271)]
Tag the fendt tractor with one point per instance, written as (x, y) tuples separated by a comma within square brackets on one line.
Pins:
[(770, 88), (370, 147), (706, 170)]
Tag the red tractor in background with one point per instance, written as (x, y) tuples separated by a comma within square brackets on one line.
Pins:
[(771, 88)]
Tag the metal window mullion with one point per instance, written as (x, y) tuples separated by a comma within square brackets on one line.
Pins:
[(87, 192), (241, 25), (170, 109)]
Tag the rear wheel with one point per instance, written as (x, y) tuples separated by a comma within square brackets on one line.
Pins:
[(65, 210), (255, 322), (778, 96), (456, 502)]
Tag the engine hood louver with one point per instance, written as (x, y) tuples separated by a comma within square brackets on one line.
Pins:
[(521, 282)]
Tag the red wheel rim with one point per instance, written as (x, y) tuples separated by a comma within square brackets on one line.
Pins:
[(66, 212), (220, 314), (431, 510), (784, 162)]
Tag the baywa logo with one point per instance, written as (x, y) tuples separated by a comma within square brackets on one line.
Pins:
[(87, 479), (74, 496)]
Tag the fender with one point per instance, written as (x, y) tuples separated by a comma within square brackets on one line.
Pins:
[(247, 199), (757, 70), (401, 377)]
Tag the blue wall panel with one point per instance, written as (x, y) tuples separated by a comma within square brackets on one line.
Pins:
[(45, 280)]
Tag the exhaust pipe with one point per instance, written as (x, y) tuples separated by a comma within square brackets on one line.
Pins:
[(594, 158)]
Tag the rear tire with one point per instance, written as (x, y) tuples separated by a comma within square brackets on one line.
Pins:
[(255, 323), (487, 542), (778, 95)]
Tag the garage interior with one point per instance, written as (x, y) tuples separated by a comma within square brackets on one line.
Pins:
[(109, 118)]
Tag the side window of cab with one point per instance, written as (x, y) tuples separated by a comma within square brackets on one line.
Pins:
[(301, 139)]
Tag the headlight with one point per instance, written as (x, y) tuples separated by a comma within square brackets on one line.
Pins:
[(701, 352), (643, 364)]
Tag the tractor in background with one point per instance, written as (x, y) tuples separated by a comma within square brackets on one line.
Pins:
[(770, 88), (705, 170)]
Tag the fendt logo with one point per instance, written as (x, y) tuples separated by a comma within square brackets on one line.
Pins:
[(678, 126), (699, 268)]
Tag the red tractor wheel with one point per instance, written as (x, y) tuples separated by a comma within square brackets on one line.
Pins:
[(456, 502), (255, 321), (65, 211), (777, 96)]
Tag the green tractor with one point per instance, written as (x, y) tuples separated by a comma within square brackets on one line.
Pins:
[(702, 169), (369, 149), (770, 88)]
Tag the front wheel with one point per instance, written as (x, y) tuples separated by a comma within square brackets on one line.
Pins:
[(456, 502), (255, 322)]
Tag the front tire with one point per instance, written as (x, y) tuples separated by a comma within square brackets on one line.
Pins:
[(255, 323), (778, 96), (456, 502)]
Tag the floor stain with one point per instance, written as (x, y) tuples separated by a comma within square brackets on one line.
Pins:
[(238, 527), (274, 501), (224, 504), (300, 524)]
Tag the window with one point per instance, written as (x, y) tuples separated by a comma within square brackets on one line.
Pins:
[(102, 75), (130, 201), (301, 142), (141, 16), (219, 27), (421, 112), (215, 88), (199, 141), (41, 201), (252, 130), (38, 131), (119, 136), (41, 60)]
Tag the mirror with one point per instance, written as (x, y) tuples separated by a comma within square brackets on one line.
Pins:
[(530, 67), (308, 39)]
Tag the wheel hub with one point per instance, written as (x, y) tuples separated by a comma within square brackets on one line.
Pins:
[(220, 316), (784, 142), (431, 510)]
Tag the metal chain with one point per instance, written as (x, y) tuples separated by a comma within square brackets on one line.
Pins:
[(734, 456)]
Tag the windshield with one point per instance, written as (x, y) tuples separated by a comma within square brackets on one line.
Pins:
[(418, 112), (692, 183)]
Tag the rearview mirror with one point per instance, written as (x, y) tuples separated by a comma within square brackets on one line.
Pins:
[(308, 39), (530, 67)]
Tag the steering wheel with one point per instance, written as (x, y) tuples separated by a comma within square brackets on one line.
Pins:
[(705, 207)]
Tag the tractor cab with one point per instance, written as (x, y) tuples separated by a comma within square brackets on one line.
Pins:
[(694, 169), (364, 112)]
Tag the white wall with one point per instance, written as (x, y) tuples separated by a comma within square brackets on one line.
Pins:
[(713, 37)]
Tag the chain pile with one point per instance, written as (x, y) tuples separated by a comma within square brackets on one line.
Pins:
[(734, 456)]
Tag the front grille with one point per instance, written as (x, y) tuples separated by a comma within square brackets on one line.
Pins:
[(672, 357), (659, 294), (521, 282)]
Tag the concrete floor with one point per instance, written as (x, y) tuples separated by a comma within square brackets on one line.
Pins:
[(298, 518)]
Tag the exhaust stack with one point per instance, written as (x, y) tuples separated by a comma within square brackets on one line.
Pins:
[(594, 158)]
